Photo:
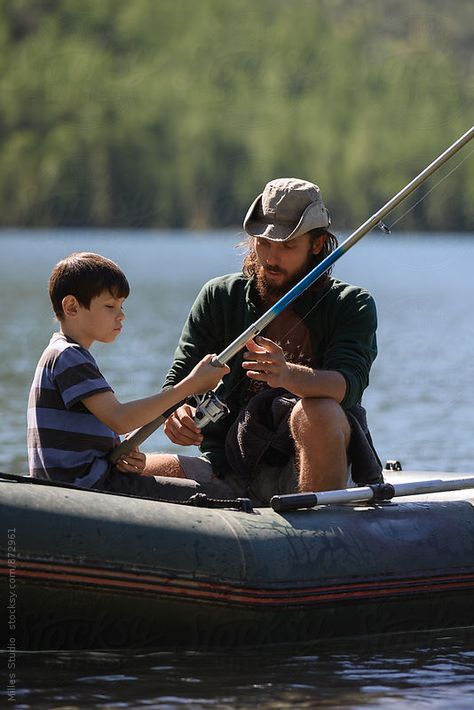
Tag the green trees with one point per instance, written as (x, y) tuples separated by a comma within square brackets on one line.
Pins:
[(174, 113)]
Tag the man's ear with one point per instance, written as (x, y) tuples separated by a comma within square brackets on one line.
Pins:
[(318, 244), (70, 306)]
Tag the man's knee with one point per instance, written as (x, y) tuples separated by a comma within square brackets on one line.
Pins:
[(321, 415)]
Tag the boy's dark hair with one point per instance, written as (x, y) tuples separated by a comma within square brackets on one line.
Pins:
[(85, 275)]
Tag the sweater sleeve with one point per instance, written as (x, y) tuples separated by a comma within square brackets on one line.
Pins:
[(352, 345)]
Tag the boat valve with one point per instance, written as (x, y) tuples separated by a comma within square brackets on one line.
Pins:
[(209, 409)]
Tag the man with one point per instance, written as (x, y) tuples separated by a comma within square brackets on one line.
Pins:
[(295, 422)]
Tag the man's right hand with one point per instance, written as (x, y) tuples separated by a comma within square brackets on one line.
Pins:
[(181, 429)]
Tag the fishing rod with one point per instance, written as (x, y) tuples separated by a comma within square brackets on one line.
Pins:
[(211, 408)]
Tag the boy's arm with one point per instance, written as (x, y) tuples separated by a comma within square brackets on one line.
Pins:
[(123, 418)]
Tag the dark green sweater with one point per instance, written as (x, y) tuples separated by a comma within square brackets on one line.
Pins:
[(342, 327)]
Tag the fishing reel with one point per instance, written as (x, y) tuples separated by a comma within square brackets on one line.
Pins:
[(209, 409)]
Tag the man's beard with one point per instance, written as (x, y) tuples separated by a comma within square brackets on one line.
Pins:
[(270, 292)]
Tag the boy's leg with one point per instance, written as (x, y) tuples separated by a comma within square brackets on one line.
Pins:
[(193, 468), (156, 488)]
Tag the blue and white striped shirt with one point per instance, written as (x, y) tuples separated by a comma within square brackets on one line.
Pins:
[(66, 442)]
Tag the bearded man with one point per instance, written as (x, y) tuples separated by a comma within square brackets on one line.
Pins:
[(296, 422)]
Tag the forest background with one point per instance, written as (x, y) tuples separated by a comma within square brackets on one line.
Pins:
[(175, 113)]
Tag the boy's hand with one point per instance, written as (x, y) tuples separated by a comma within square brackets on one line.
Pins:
[(181, 429), (205, 376), (133, 462)]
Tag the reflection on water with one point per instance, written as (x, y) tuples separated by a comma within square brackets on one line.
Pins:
[(435, 672)]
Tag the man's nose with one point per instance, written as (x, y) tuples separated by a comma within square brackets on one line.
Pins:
[(273, 256)]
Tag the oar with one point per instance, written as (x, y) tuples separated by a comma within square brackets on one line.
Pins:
[(144, 432), (367, 494)]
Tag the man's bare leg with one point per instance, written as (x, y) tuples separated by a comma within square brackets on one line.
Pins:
[(163, 465), (321, 432)]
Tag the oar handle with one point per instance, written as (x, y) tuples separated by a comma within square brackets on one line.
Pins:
[(296, 501)]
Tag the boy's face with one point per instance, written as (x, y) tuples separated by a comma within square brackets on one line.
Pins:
[(102, 321)]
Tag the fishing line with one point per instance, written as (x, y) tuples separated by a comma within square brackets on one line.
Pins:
[(285, 335), (390, 227), (387, 229), (255, 328)]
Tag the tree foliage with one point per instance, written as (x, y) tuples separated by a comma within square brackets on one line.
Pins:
[(174, 113)]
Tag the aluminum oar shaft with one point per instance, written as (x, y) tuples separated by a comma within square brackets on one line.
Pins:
[(367, 494)]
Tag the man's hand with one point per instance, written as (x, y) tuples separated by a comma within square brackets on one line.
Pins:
[(181, 429), (264, 360), (133, 462)]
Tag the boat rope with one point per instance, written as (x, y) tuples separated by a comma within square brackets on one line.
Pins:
[(24, 478), (201, 500), (198, 500)]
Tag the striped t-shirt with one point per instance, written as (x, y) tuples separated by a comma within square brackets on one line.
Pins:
[(66, 442)]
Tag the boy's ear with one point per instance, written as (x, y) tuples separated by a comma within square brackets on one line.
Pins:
[(70, 306)]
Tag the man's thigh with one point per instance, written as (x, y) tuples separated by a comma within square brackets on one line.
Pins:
[(264, 483), (198, 468)]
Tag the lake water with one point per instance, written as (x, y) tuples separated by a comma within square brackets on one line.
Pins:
[(420, 412)]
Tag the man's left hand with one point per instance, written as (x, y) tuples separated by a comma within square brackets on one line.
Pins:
[(264, 360)]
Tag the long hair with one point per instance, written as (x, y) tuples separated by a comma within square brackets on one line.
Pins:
[(251, 266)]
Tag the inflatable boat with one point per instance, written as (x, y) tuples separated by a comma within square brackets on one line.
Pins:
[(91, 570)]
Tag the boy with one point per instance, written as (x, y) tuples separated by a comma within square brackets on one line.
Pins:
[(74, 418)]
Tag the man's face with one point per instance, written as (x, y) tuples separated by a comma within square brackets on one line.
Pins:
[(283, 264)]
